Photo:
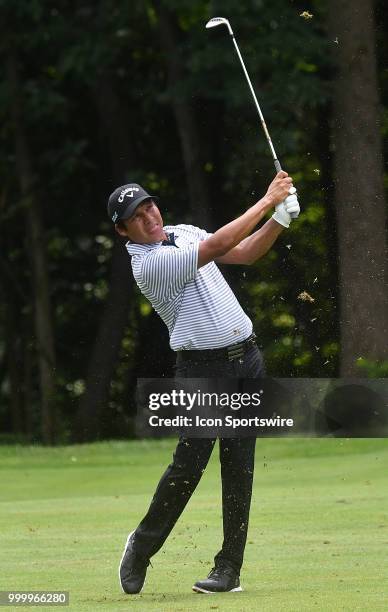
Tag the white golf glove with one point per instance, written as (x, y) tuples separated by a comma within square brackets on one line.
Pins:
[(283, 210)]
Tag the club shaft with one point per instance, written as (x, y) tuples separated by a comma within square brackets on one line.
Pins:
[(268, 137)]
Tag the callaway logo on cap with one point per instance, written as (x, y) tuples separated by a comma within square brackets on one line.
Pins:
[(124, 200), (129, 191)]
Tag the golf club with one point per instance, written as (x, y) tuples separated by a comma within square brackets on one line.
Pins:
[(213, 23)]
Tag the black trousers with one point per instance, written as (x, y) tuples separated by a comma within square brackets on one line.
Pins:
[(188, 464)]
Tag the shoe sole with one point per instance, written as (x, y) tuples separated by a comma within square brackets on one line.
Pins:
[(199, 590), (121, 562)]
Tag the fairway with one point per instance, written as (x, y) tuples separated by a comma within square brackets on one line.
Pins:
[(318, 535)]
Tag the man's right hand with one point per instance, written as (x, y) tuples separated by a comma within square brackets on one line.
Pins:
[(279, 189)]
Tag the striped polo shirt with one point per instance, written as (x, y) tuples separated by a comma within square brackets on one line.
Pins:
[(197, 305)]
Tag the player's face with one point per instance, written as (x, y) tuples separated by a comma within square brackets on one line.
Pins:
[(145, 226)]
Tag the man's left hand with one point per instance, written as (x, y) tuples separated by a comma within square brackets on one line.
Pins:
[(283, 210), (291, 204)]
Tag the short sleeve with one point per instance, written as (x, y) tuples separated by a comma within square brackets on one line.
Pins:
[(166, 271), (203, 234)]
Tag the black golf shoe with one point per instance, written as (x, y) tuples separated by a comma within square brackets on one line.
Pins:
[(222, 579), (132, 570)]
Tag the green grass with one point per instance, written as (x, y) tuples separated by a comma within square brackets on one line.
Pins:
[(318, 535)]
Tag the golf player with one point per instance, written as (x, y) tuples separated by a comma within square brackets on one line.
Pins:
[(176, 269)]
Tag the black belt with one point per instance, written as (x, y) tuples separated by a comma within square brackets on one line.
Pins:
[(234, 351)]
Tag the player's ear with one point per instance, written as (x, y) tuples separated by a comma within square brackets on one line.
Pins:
[(120, 229)]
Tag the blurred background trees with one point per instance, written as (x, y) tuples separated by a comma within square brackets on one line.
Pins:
[(97, 94)]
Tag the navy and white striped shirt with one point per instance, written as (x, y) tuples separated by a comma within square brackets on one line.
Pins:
[(197, 305)]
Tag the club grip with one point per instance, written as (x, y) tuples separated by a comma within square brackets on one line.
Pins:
[(277, 165), (278, 169)]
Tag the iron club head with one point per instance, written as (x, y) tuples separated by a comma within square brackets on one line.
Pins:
[(216, 21)]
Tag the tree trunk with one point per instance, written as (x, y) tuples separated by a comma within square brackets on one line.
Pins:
[(41, 285), (15, 368), (107, 345), (186, 123), (359, 191), (13, 297)]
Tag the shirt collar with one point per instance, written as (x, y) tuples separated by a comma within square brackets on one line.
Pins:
[(170, 241)]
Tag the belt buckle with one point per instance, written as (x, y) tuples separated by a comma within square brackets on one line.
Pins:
[(235, 352)]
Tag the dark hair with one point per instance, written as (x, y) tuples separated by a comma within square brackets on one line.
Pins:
[(120, 224)]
